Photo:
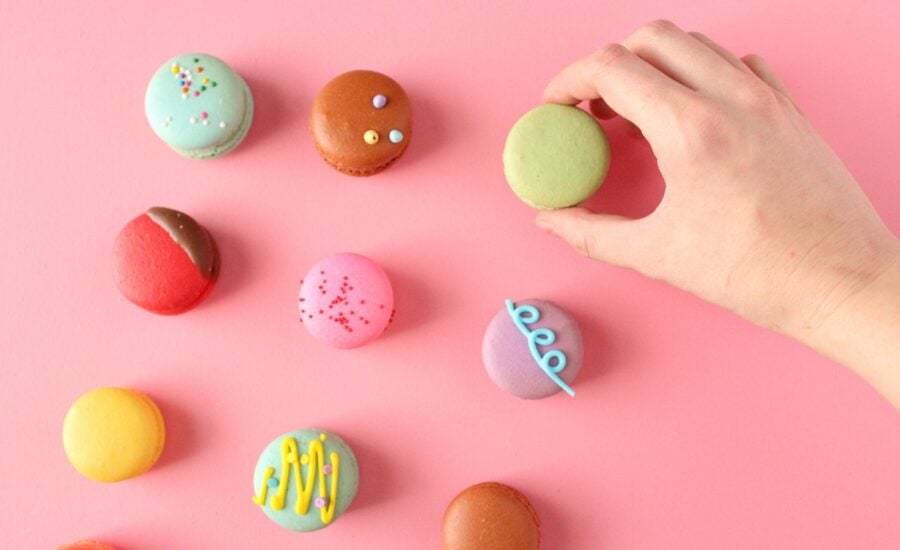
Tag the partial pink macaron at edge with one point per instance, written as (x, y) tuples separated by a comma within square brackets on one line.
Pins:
[(346, 300), (87, 545)]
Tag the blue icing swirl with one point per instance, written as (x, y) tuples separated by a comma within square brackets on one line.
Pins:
[(525, 315)]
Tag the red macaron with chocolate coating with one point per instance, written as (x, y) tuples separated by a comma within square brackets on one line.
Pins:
[(165, 262)]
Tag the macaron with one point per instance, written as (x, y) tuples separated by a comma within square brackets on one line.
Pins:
[(113, 434), (198, 106), (165, 262), (361, 122), (532, 349), (491, 516), (86, 545), (305, 479), (555, 156), (346, 300)]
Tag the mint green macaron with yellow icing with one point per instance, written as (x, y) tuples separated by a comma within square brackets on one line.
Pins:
[(555, 156), (199, 106)]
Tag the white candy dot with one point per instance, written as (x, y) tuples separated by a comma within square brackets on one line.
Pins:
[(169, 118), (193, 120), (183, 96), (222, 124), (206, 122)]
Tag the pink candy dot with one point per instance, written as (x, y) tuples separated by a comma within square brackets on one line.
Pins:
[(320, 502), (203, 114), (196, 94), (326, 469)]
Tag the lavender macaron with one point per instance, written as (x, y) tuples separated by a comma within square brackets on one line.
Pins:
[(533, 349)]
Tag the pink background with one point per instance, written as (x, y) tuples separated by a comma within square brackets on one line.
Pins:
[(691, 428)]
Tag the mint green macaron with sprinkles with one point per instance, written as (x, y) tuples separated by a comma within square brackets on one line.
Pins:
[(199, 106), (555, 156)]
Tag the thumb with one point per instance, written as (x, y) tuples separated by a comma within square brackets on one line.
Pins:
[(603, 237)]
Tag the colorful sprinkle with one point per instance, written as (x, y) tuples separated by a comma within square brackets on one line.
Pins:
[(214, 83), (196, 60), (304, 459), (184, 90), (202, 88), (222, 124), (321, 502), (273, 482), (193, 120), (396, 136), (370, 137), (204, 115), (379, 101), (204, 80), (199, 69), (326, 469), (196, 93), (206, 123), (183, 96), (322, 437), (175, 68), (181, 83)]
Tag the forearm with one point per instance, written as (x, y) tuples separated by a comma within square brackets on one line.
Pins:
[(863, 332)]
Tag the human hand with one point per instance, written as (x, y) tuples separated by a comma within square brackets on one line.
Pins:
[(759, 215)]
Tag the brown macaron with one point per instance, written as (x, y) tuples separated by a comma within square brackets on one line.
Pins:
[(491, 516), (361, 122)]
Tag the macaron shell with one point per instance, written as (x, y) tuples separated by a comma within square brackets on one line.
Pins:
[(555, 156), (87, 545), (200, 109), (343, 112), (347, 480), (346, 300), (113, 434), (491, 516), (508, 359), (156, 272)]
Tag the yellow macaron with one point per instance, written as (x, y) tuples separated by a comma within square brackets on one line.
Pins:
[(112, 434)]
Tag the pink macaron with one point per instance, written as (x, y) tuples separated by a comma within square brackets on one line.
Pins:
[(533, 349), (165, 262), (346, 300)]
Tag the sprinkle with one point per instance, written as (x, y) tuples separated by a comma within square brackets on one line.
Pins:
[(196, 60), (204, 80), (273, 482), (206, 123), (326, 469), (183, 96), (193, 120), (204, 115), (304, 459), (196, 93), (214, 83), (379, 101), (181, 83), (175, 68), (222, 124), (181, 75), (320, 502), (322, 437), (202, 88), (370, 137), (396, 136), (199, 69), (184, 90)]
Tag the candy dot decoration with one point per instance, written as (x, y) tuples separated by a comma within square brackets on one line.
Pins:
[(533, 349), (346, 300), (379, 101), (371, 137), (316, 479), (396, 136), (179, 91)]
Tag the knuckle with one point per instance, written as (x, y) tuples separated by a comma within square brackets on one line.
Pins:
[(608, 54), (756, 96), (706, 130), (658, 27)]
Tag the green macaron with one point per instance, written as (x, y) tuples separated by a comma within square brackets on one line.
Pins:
[(555, 156)]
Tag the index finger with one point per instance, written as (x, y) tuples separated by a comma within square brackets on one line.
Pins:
[(630, 86)]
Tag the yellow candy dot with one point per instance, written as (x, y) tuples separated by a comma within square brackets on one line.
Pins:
[(371, 137), (205, 81), (175, 68), (323, 437), (304, 459)]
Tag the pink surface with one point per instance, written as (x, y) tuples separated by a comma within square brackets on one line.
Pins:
[(691, 428)]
